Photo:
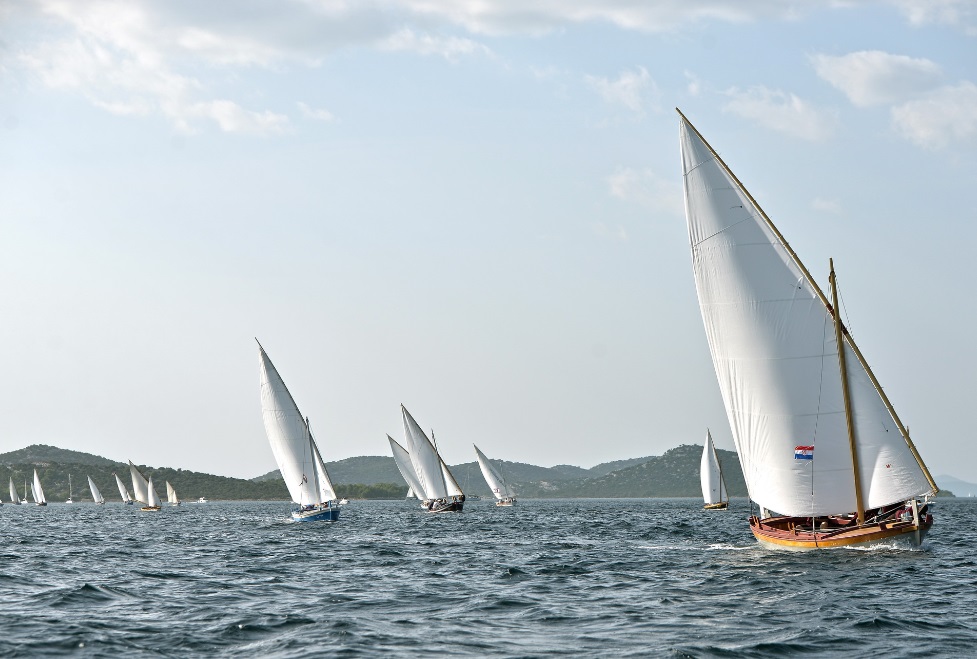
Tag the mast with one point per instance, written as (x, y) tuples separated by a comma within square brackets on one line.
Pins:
[(903, 431), (846, 394)]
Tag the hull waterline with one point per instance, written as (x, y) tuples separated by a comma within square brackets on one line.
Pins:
[(327, 514), (787, 533), (722, 505)]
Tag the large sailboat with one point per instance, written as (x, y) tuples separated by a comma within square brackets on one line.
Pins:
[(143, 490), (295, 449), (123, 492), (403, 462), (503, 494), (440, 488), (96, 495), (171, 495), (38, 491), (14, 498), (823, 451), (711, 476)]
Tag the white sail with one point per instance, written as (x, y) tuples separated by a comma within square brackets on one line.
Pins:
[(492, 476), (14, 498), (96, 495), (326, 490), (425, 459), (38, 490), (771, 336), (140, 486), (402, 458), (711, 476), (287, 434), (171, 494), (123, 492), (152, 500), (450, 484)]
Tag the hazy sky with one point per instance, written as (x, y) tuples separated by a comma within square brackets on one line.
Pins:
[(471, 208)]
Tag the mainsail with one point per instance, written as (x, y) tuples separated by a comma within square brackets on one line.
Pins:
[(710, 474), (288, 435), (773, 346), (14, 498), (425, 459), (122, 489), (38, 490), (402, 458), (492, 476), (152, 500), (171, 494), (96, 495), (140, 486)]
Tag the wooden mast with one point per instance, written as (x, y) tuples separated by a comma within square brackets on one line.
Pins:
[(817, 289), (846, 394)]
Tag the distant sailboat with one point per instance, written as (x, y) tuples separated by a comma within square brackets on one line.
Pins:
[(38, 491), (171, 495), (123, 492), (823, 451), (403, 462), (14, 499), (143, 490), (493, 477), (295, 449), (96, 495), (437, 483), (202, 500), (27, 492), (711, 475), (69, 500)]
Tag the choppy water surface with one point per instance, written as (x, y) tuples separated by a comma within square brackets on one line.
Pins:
[(642, 577)]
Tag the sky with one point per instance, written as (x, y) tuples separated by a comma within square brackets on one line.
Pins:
[(471, 208)]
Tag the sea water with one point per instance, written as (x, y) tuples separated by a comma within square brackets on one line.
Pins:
[(632, 577)]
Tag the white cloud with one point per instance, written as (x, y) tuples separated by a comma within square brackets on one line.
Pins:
[(873, 77), (955, 13), (635, 90), (449, 48), (315, 113), (782, 112), (646, 188), (946, 115)]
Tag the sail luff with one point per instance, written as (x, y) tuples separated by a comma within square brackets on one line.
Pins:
[(96, 495), (402, 458)]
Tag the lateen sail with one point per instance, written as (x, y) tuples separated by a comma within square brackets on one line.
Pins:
[(713, 486), (492, 476), (153, 498), (773, 347), (425, 459), (95, 493), (402, 458), (122, 489), (288, 435), (38, 490), (171, 494), (13, 493), (140, 486)]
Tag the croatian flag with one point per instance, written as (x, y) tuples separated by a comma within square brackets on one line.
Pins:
[(803, 452)]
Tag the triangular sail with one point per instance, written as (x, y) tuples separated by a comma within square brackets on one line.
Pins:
[(287, 434), (14, 497), (140, 486), (451, 485), (425, 459), (171, 494), (123, 492), (492, 476), (770, 332), (402, 458), (326, 490), (96, 495), (38, 490), (152, 500), (711, 475)]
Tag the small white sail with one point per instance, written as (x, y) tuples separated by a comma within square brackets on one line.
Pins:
[(711, 476), (492, 476), (14, 498), (171, 495), (450, 484), (425, 459), (326, 491), (288, 434), (410, 493), (95, 493), (153, 499), (38, 490), (123, 492), (402, 458), (140, 486)]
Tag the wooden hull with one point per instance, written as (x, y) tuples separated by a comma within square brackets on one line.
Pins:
[(150, 509), (796, 534), (450, 507), (722, 505)]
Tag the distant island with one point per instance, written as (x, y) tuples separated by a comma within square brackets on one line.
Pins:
[(673, 474)]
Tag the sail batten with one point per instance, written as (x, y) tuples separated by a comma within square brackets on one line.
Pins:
[(776, 357)]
